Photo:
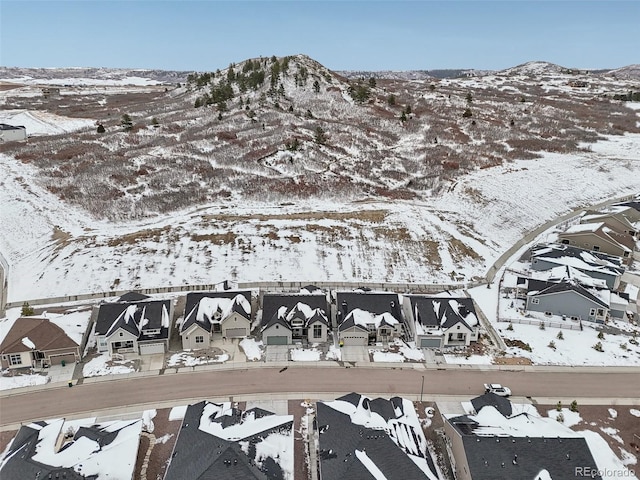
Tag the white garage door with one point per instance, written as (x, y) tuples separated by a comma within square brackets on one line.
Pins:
[(236, 332), (353, 340), (149, 348)]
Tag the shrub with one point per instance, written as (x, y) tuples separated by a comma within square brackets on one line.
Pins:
[(598, 347), (560, 336), (542, 327), (601, 335), (574, 406), (552, 345), (560, 417), (510, 327), (559, 406), (27, 310), (100, 129), (467, 113)]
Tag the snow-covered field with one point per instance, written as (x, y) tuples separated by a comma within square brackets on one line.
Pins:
[(39, 122), (59, 251), (104, 365)]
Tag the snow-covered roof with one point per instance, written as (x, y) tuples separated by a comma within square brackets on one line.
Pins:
[(584, 227), (364, 438), (366, 319), (220, 441), (103, 451), (208, 308)]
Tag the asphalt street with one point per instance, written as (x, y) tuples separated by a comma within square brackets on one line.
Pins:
[(100, 396)]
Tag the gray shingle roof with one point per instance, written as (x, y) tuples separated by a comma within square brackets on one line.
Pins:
[(373, 302), (339, 439), (512, 458), (193, 299), (503, 405), (445, 315), (111, 317), (271, 303), (567, 287), (199, 455)]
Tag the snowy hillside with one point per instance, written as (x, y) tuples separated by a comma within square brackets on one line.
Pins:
[(278, 169)]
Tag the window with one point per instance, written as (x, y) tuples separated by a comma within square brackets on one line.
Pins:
[(154, 331), (199, 339), (600, 312), (127, 344), (15, 359), (103, 342), (596, 248), (565, 241), (535, 301), (592, 312), (625, 254), (317, 331)]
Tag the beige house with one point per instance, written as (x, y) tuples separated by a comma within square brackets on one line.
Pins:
[(599, 238), (210, 315), (617, 219), (37, 343)]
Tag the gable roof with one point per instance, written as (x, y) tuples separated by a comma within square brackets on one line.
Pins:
[(28, 333), (133, 297), (206, 308), (442, 312), (565, 286), (272, 303), (91, 452), (134, 317), (359, 436), (623, 241), (502, 404), (569, 255), (376, 303), (218, 441)]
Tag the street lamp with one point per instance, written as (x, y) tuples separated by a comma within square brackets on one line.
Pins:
[(422, 389)]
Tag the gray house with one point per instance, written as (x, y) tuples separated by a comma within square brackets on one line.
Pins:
[(594, 264), (365, 318), (134, 327), (437, 322), (568, 299), (295, 317)]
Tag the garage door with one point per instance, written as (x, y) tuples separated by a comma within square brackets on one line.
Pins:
[(277, 340), (67, 357), (149, 348), (236, 332), (358, 341), (430, 343)]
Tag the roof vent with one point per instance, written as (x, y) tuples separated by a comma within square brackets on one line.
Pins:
[(568, 457), (515, 460), (502, 464)]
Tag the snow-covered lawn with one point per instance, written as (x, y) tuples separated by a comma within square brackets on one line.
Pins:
[(38, 122), (189, 359), (468, 359), (17, 381), (334, 353), (252, 349), (399, 351), (305, 354), (104, 365)]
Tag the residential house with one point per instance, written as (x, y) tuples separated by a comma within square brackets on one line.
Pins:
[(50, 92), (613, 218), (55, 449), (441, 321), (632, 209), (365, 318), (360, 439), (38, 343), (594, 264), (292, 317), (568, 299), (134, 327), (219, 441), (599, 238), (207, 315), (497, 444), (10, 133)]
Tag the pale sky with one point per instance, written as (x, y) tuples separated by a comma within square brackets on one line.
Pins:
[(342, 35)]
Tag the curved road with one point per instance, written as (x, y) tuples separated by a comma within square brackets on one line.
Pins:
[(99, 396)]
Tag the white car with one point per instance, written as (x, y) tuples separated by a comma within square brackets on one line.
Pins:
[(497, 389)]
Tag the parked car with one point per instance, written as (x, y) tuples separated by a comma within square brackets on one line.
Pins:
[(497, 389)]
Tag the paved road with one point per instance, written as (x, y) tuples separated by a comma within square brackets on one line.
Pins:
[(94, 397)]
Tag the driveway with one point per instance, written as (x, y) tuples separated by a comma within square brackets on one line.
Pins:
[(277, 353), (354, 354)]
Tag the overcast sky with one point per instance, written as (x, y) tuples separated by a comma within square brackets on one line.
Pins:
[(342, 35)]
